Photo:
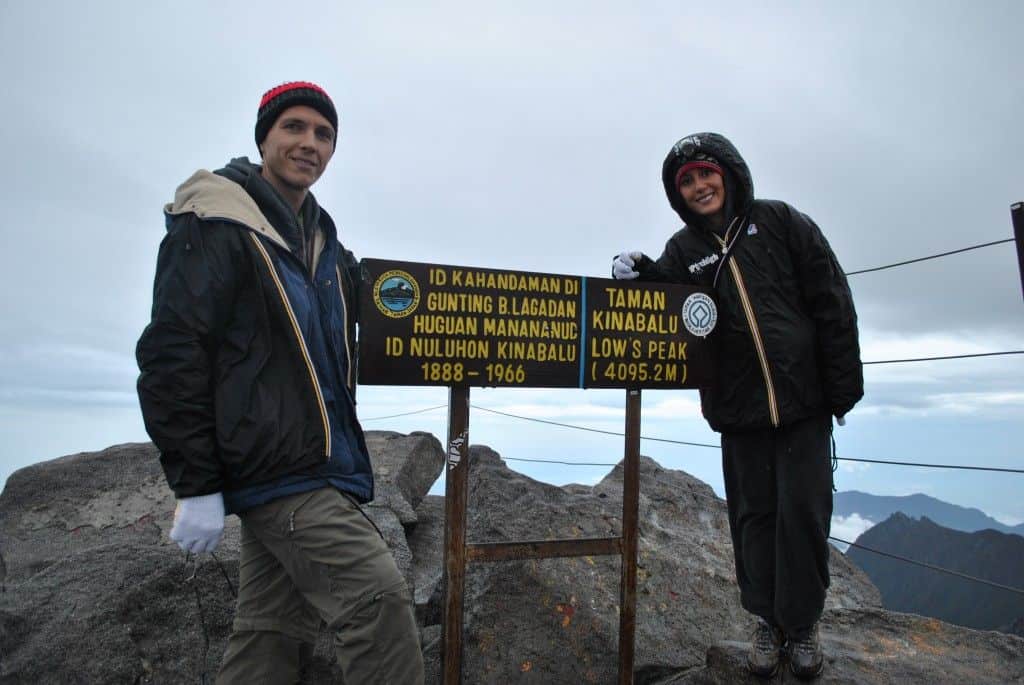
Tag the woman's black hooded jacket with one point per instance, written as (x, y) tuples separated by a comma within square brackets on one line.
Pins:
[(786, 341)]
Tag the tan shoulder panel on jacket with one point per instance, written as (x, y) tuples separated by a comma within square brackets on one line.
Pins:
[(208, 195)]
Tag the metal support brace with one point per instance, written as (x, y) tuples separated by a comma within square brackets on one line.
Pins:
[(457, 552)]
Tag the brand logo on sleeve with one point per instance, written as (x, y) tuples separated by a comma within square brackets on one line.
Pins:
[(697, 267), (396, 294)]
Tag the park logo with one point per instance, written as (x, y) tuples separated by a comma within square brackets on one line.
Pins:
[(396, 294), (699, 314)]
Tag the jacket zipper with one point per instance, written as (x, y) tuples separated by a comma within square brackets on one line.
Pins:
[(344, 321), (302, 345), (755, 332)]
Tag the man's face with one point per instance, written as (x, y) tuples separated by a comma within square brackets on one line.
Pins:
[(703, 190), (297, 149)]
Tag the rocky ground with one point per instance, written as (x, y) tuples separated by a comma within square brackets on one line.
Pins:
[(94, 592)]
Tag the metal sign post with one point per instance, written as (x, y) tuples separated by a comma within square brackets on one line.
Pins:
[(630, 534), (1017, 214), (456, 489)]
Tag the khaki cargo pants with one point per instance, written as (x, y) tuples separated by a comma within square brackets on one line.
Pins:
[(311, 557)]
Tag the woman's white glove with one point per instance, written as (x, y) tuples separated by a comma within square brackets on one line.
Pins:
[(622, 266), (199, 523)]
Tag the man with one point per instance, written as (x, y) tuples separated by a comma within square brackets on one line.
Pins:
[(788, 360), (247, 389)]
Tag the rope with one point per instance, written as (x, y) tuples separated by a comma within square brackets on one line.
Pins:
[(701, 444), (224, 571), (952, 356), (934, 256), (934, 466), (567, 463), (932, 567), (592, 430), (687, 443), (408, 413)]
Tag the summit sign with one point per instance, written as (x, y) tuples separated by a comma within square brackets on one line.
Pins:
[(431, 324)]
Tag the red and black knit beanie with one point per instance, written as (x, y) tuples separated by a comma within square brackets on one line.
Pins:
[(280, 98)]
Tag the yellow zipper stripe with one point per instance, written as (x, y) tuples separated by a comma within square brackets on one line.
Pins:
[(302, 343), (344, 328), (773, 408)]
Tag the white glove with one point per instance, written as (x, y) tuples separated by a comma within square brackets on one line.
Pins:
[(841, 420), (199, 523), (622, 266)]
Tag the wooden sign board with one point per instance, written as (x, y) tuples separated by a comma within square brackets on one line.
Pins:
[(433, 324)]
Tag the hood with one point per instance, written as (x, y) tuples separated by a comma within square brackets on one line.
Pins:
[(239, 193), (210, 196), (739, 186)]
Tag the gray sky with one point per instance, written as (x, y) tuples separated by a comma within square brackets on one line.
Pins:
[(531, 137)]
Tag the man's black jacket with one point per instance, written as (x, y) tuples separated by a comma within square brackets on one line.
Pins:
[(247, 367)]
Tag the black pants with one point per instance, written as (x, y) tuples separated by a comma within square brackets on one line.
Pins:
[(778, 484)]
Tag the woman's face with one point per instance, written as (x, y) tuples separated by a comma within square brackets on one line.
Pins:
[(703, 190)]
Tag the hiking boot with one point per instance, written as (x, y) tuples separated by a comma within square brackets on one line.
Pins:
[(765, 645), (805, 657)]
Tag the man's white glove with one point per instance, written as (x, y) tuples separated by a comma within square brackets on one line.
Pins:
[(199, 523), (841, 420), (622, 266)]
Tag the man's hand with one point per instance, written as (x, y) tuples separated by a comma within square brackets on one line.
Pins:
[(841, 420), (622, 266), (199, 523)]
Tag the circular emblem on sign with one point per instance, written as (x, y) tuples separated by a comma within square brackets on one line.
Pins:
[(699, 314), (396, 294)]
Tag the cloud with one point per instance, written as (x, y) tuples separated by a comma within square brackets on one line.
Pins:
[(40, 373), (881, 345), (991, 404), (853, 466), (42, 397), (946, 387), (849, 528), (678, 407), (531, 138), (1007, 519)]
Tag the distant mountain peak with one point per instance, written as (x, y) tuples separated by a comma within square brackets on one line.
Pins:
[(987, 554), (878, 508)]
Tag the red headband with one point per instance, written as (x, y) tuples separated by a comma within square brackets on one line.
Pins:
[(697, 164)]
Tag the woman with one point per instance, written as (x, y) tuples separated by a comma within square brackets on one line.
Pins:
[(788, 360)]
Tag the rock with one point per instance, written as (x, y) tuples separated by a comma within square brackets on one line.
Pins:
[(93, 591), (117, 613), (426, 543), (404, 469), (54, 509), (564, 612), (431, 641), (876, 646), (389, 523)]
